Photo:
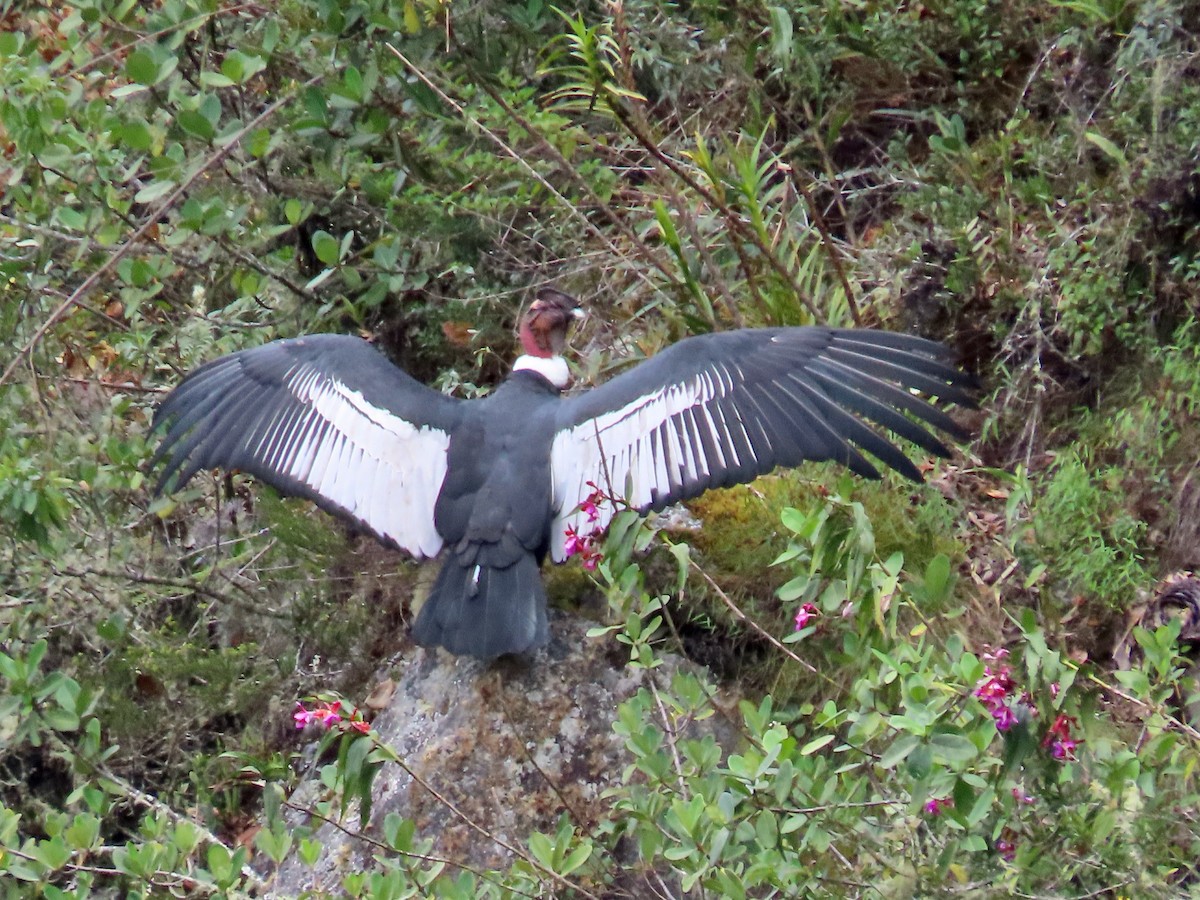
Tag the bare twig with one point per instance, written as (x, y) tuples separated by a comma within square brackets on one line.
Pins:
[(829, 246), (741, 616), (147, 801), (669, 729), (179, 584), (731, 217), (643, 250), (185, 25), (476, 827), (524, 743), (481, 874), (1171, 720), (515, 156), (123, 386), (144, 229)]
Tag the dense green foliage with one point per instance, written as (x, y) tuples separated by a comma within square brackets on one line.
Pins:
[(185, 178)]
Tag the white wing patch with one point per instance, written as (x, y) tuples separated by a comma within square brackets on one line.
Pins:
[(379, 468), (642, 451)]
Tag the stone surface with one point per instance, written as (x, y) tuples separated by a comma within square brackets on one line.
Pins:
[(511, 745)]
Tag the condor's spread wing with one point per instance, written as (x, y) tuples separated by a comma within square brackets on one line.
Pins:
[(723, 409), (324, 417)]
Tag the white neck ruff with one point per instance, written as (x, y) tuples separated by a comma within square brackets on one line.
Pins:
[(552, 368)]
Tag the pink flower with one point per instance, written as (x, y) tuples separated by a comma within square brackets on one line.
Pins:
[(1004, 717), (935, 806), (806, 614), (1059, 739), (331, 715), (302, 717), (584, 546), (592, 503), (995, 691), (1021, 797), (994, 687), (326, 714), (1006, 849), (574, 543)]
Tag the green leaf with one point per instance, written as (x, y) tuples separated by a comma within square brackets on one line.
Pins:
[(920, 761), (275, 844), (141, 67), (352, 84), (240, 67), (412, 21), (135, 135), (53, 853), (817, 743), (794, 589), (11, 42), (576, 858), (84, 832), (781, 33), (36, 654), (542, 849), (937, 577), (953, 748), (1108, 148), (127, 90), (326, 247), (220, 863), (399, 832), (112, 628), (213, 79), (155, 190), (196, 124), (899, 751), (61, 719)]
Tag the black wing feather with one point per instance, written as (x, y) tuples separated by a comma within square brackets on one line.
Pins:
[(255, 411), (773, 396)]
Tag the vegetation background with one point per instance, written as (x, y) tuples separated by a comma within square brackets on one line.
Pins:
[(1019, 178)]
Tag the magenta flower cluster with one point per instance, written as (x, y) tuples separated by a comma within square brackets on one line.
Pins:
[(329, 715), (935, 806), (1059, 740), (996, 691), (805, 615), (587, 546)]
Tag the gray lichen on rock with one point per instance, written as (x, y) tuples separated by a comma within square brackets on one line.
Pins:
[(511, 745)]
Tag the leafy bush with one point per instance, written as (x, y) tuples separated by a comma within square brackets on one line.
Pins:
[(186, 179)]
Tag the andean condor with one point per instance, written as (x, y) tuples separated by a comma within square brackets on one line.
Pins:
[(497, 483)]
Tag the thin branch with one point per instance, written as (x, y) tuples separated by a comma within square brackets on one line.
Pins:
[(581, 182), (524, 743), (389, 849), (149, 802), (150, 222), (179, 584), (474, 826), (185, 25), (741, 616), (669, 729), (513, 154), (1171, 720), (829, 246), (731, 217)]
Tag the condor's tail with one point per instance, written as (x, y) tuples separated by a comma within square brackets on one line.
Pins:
[(485, 612)]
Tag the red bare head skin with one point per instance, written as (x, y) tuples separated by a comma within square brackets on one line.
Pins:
[(544, 326)]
